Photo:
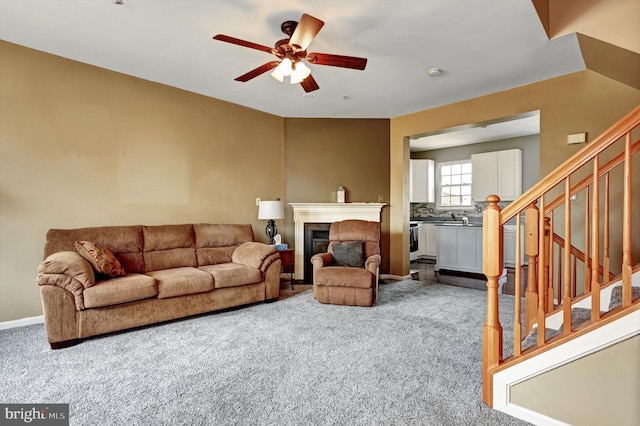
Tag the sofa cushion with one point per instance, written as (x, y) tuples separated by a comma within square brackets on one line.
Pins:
[(357, 230), (232, 274), (215, 243), (221, 235), (101, 258), (168, 246), (343, 276), (214, 255), (180, 281), (119, 290), (125, 242)]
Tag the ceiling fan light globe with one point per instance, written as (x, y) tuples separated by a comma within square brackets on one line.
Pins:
[(277, 75), (285, 67), (299, 73), (282, 70)]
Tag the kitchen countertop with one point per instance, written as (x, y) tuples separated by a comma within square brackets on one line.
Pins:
[(473, 222)]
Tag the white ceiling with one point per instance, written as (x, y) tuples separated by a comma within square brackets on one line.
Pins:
[(483, 46)]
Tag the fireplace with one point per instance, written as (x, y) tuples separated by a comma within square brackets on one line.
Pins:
[(316, 240), (323, 214)]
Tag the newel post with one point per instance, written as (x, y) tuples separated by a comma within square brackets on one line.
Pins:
[(492, 266)]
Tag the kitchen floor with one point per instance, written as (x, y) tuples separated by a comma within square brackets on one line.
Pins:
[(422, 270)]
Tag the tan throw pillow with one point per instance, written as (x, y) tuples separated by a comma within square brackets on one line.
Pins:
[(101, 258)]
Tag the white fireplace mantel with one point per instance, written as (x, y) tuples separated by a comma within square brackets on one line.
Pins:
[(326, 213)]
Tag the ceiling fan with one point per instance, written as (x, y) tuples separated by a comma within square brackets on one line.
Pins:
[(292, 50)]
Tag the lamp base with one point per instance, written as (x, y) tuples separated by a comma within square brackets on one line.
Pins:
[(271, 230)]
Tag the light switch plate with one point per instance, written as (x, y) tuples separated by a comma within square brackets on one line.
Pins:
[(576, 138)]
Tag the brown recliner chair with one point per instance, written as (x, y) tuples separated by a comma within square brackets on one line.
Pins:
[(348, 273)]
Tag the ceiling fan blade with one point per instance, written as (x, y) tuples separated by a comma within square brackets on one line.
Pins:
[(307, 28), (256, 72), (309, 84), (244, 43), (337, 60)]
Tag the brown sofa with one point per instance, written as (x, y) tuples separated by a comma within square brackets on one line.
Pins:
[(172, 271)]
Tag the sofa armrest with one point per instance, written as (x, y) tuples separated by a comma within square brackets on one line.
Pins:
[(253, 254), (373, 263), (67, 270), (320, 260)]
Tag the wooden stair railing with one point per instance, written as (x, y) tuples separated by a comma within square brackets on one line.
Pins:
[(575, 256), (559, 270)]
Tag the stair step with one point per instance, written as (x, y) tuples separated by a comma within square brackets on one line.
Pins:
[(616, 296), (579, 316), (532, 338)]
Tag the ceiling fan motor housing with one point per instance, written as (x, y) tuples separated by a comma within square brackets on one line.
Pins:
[(288, 27)]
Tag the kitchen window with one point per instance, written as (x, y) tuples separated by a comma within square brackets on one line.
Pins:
[(454, 184)]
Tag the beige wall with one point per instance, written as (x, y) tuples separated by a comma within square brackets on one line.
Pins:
[(612, 21), (600, 389), (322, 154), (82, 146), (580, 102)]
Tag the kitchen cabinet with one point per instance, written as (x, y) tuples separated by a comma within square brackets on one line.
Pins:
[(497, 172), (428, 239), (509, 240), (459, 248), (422, 184), (431, 240), (422, 238)]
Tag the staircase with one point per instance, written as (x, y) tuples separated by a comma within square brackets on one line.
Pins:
[(582, 287)]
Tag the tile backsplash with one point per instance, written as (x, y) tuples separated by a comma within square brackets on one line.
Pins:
[(423, 210)]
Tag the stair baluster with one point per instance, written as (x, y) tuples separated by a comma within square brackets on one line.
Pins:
[(542, 285), (517, 323), (626, 229), (595, 240), (567, 256), (605, 246), (531, 250)]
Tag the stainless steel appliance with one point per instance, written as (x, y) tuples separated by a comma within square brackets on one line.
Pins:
[(413, 241)]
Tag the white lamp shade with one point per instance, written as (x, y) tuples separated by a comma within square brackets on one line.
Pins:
[(299, 73), (271, 210), (283, 70)]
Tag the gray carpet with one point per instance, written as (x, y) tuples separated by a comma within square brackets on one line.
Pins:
[(413, 359)]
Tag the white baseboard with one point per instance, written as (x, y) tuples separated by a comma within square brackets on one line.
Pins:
[(4, 325), (531, 416)]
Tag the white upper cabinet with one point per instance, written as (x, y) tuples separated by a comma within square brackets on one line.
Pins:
[(484, 179), (422, 184), (510, 174), (498, 172)]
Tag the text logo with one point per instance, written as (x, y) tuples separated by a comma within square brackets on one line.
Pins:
[(35, 414)]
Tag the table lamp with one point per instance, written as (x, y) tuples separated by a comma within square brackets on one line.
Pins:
[(271, 211)]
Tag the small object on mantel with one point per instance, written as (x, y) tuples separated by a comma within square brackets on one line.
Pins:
[(340, 195)]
